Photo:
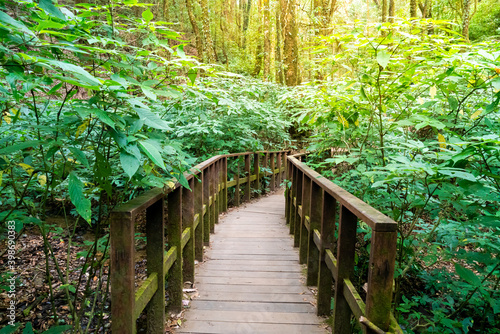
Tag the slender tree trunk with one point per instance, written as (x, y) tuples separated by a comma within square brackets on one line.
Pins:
[(413, 9), (258, 51), (466, 19), (209, 45), (384, 10), (267, 40), (290, 53), (278, 60), (246, 19), (391, 11), (196, 30)]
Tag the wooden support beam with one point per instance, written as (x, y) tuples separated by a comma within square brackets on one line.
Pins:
[(298, 201), (380, 278), (272, 185), (345, 268), (306, 206), (122, 273), (325, 279), (224, 179), (188, 222), (155, 237), (256, 171), (237, 189), (315, 212), (174, 235), (248, 192), (206, 206), (198, 210)]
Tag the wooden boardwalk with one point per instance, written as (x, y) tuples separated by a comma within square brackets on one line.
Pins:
[(251, 280)]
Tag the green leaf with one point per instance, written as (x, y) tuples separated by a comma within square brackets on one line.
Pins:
[(21, 146), (495, 305), (183, 181), (152, 120), (49, 8), (7, 20), (82, 204), (152, 152), (28, 329), (80, 156), (148, 92), (103, 117), (10, 329), (459, 174), (130, 163), (76, 70), (192, 74), (147, 15), (467, 275), (383, 58)]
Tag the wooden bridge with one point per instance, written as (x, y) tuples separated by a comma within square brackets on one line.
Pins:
[(250, 278)]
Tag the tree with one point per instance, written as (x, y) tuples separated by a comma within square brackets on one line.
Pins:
[(258, 51), (279, 30), (196, 30), (267, 41), (209, 45), (290, 49), (466, 19)]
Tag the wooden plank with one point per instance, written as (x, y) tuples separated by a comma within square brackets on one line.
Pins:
[(301, 307), (252, 297), (170, 258), (257, 317), (286, 289), (247, 281), (244, 266), (250, 274), (174, 232), (196, 326), (186, 236), (247, 194)]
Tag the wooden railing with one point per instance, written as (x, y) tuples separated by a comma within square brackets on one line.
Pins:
[(327, 245), (185, 221)]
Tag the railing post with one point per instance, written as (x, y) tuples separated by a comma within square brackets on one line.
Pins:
[(279, 176), (288, 192), (315, 219), (325, 279), (174, 235), (224, 179), (155, 255), (247, 193), (273, 167), (122, 274), (291, 206), (205, 219), (187, 222), (304, 231), (198, 210), (298, 199), (237, 187), (211, 209), (380, 278), (345, 267), (220, 187), (265, 164), (256, 170), (216, 178)]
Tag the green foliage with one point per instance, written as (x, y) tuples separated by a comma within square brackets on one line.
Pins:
[(411, 126), (485, 23)]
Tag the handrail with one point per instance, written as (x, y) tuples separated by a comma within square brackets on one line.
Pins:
[(190, 217), (311, 211)]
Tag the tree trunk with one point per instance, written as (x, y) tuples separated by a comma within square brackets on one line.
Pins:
[(209, 45), (290, 51), (267, 40), (466, 19), (413, 9), (246, 19), (258, 51), (391, 11), (196, 30), (384, 10), (278, 60)]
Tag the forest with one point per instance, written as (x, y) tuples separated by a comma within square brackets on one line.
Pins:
[(396, 101)]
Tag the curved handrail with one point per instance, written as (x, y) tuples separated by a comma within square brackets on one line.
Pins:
[(311, 211), (192, 216)]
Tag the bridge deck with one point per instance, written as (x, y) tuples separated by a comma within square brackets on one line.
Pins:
[(251, 280)]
